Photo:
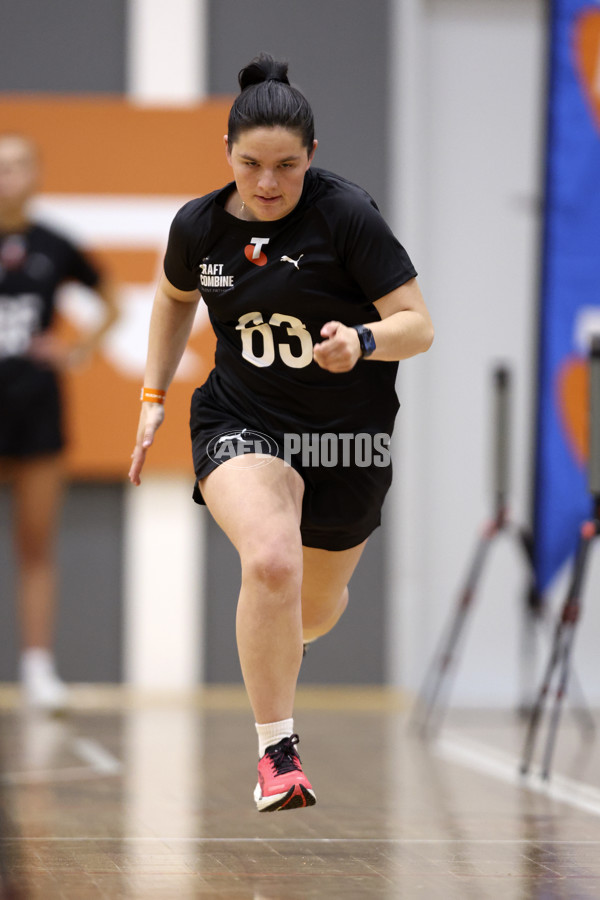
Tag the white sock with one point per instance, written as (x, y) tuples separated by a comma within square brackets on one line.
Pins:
[(272, 732), (37, 662)]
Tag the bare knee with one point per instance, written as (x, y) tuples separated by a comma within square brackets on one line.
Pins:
[(274, 568)]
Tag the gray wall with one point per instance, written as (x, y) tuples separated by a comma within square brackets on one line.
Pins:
[(338, 55), (62, 46), (88, 635)]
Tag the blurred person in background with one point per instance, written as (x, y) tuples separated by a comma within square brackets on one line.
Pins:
[(34, 262)]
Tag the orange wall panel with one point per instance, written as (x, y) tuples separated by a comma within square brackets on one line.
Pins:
[(107, 146)]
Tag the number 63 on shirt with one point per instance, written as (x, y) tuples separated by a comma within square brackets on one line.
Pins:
[(253, 323)]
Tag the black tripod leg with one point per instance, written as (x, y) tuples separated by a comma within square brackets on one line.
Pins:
[(569, 619), (537, 709), (560, 654), (429, 708), (534, 613), (564, 658)]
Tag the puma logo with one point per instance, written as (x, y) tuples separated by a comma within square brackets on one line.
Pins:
[(294, 262), (235, 436)]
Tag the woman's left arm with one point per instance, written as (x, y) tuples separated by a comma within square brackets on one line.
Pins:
[(405, 329)]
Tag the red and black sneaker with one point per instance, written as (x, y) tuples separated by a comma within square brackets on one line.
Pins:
[(281, 782)]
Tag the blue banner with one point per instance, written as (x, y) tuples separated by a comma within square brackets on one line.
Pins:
[(570, 308)]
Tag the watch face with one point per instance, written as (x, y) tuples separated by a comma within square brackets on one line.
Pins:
[(367, 341)]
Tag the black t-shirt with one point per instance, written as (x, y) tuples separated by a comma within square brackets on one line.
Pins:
[(33, 263), (271, 286)]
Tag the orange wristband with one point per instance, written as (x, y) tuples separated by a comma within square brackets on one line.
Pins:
[(152, 395)]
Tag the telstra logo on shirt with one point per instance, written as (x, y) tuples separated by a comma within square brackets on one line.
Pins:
[(254, 252)]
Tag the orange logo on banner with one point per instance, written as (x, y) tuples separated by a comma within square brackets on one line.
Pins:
[(119, 158), (587, 54), (573, 375), (573, 402)]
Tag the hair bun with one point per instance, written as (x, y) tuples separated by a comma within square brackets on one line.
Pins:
[(263, 68)]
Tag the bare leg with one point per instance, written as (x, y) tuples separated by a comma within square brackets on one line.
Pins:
[(259, 508), (38, 488), (324, 587)]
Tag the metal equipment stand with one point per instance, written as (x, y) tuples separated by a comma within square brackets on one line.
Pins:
[(562, 647), (433, 697)]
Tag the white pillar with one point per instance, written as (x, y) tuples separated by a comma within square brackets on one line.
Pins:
[(164, 545), (164, 539), (166, 52), (405, 533)]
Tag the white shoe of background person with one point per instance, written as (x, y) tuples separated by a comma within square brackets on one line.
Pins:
[(42, 688)]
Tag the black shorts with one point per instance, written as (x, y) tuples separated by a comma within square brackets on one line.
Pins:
[(342, 502), (30, 410)]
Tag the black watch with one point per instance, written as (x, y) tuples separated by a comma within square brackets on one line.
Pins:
[(365, 339)]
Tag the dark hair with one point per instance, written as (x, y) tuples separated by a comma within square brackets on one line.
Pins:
[(268, 99)]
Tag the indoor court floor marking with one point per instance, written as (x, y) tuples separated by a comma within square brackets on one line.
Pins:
[(100, 763), (504, 767), (97, 757)]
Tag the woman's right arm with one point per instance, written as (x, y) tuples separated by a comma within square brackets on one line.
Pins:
[(172, 318)]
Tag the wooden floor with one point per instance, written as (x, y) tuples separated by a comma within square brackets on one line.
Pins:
[(153, 799)]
